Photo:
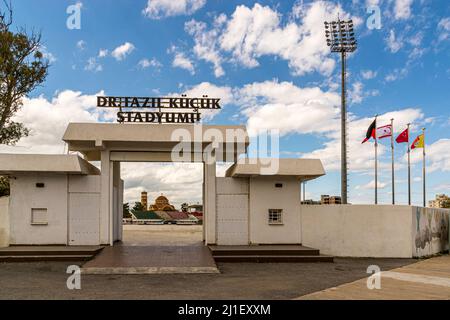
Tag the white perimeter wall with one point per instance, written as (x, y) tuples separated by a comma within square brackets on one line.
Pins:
[(264, 196), (358, 230), (4, 222), (375, 231), (25, 196)]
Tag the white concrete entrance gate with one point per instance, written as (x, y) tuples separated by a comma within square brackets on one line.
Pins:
[(112, 144)]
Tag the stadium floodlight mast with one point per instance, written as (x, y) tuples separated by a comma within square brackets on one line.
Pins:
[(341, 38)]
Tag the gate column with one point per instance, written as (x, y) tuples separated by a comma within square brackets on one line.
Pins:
[(210, 200)]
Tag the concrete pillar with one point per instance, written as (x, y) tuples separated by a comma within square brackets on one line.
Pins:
[(120, 234), (203, 202), (105, 197), (116, 208), (4, 222), (210, 201)]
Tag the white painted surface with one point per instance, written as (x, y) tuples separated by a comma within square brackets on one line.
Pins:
[(210, 216), (84, 184), (358, 230), (84, 210), (232, 211), (105, 196), (25, 196), (84, 219), (4, 222), (264, 196)]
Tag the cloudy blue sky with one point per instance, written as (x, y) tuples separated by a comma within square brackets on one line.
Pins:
[(269, 63)]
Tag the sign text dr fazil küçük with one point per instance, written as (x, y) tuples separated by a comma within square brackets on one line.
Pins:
[(131, 108)]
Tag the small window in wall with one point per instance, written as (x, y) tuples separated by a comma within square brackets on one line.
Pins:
[(275, 216), (39, 216), (278, 185)]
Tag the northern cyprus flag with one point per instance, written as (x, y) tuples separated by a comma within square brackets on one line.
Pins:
[(385, 131)]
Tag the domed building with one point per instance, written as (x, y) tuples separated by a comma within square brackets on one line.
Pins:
[(162, 204)]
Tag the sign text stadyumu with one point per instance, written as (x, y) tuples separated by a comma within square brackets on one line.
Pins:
[(159, 109)]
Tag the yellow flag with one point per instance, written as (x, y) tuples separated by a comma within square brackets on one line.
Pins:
[(418, 142)]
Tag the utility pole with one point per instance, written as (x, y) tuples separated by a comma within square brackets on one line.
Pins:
[(341, 38), (392, 158)]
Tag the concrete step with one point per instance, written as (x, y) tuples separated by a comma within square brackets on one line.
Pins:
[(266, 252), (37, 258), (49, 251), (263, 250), (273, 258)]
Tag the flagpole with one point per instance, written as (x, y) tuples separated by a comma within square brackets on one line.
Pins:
[(409, 168), (393, 171), (376, 162), (424, 166)]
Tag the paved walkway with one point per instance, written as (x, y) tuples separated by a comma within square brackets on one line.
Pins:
[(151, 259), (427, 279), (155, 249)]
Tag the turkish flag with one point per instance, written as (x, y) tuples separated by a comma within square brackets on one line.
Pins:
[(402, 137)]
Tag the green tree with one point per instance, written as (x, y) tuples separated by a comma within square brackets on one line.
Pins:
[(184, 207), (137, 207), (446, 204), (4, 186), (126, 210), (23, 67)]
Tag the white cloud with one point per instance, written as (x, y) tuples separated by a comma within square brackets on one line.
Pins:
[(361, 155), (48, 119), (356, 92), (147, 63), (122, 51), (394, 44), (444, 29), (368, 74), (179, 182), (397, 74), (157, 9), (250, 33), (81, 45), (47, 54), (402, 9), (103, 53), (444, 187), (437, 155), (211, 90), (183, 62), (371, 185), (288, 108), (372, 3), (206, 88), (206, 44), (93, 65)]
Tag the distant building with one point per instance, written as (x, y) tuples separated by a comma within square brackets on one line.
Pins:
[(144, 199), (195, 208), (146, 217), (326, 199), (310, 201), (441, 201), (162, 204)]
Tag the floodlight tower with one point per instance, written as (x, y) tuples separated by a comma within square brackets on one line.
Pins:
[(341, 38)]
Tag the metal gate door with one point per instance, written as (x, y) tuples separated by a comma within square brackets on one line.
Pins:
[(232, 219), (84, 219)]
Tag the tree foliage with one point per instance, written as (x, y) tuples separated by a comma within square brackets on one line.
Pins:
[(4, 186), (126, 210), (138, 207), (23, 67), (184, 207)]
